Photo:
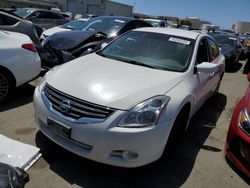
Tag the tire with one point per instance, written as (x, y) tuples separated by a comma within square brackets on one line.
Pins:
[(177, 130), (5, 86)]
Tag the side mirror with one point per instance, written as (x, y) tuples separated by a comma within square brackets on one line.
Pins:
[(207, 67), (104, 45), (248, 76)]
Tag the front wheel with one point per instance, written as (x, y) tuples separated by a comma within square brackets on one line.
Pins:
[(5, 86)]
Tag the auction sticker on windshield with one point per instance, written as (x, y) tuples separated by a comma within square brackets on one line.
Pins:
[(182, 41)]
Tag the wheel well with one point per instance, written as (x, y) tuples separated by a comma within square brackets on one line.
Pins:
[(185, 112), (9, 74)]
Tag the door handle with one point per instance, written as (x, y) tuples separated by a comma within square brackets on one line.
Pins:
[(212, 74)]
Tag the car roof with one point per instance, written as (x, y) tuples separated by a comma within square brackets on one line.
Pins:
[(116, 17), (171, 31), (155, 20), (223, 35)]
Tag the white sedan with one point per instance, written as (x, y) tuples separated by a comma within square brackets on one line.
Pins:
[(19, 62), (128, 103)]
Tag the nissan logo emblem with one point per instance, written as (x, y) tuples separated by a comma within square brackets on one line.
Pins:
[(65, 106)]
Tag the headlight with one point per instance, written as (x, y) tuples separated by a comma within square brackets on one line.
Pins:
[(146, 113), (244, 121)]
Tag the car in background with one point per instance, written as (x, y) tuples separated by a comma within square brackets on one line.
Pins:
[(73, 25), (230, 45), (45, 18), (156, 22), (238, 136), (129, 102), (10, 22), (64, 46), (67, 15), (19, 63)]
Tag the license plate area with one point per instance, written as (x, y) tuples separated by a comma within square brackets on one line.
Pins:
[(58, 128)]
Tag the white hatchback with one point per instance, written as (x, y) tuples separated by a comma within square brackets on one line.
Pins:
[(127, 103), (19, 62)]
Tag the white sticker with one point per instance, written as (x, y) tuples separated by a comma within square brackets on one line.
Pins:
[(182, 41), (120, 21), (232, 38)]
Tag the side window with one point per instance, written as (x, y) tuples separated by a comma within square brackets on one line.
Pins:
[(47, 15), (202, 53), (214, 51), (162, 24), (5, 20)]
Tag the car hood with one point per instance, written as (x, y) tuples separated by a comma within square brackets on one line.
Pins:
[(68, 39), (111, 83), (53, 30)]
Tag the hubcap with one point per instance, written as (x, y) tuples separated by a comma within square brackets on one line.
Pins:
[(4, 87)]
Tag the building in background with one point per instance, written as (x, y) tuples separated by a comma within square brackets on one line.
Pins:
[(97, 7), (242, 27), (45, 4)]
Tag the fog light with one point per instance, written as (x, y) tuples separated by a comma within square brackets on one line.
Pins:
[(129, 155)]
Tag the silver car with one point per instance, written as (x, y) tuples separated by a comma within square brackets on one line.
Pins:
[(44, 18), (13, 23)]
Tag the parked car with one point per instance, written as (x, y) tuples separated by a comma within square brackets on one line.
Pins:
[(45, 18), (238, 137), (19, 63), (10, 22), (230, 45), (67, 15), (87, 38), (73, 25), (126, 103), (156, 22)]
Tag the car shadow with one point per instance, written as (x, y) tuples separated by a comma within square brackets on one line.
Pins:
[(163, 173), (19, 97), (246, 68), (232, 67)]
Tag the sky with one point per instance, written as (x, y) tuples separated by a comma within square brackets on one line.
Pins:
[(224, 13)]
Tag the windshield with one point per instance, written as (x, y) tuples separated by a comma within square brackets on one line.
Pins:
[(225, 41), (73, 24), (154, 50), (107, 25), (23, 12)]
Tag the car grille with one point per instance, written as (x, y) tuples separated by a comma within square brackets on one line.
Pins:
[(78, 108)]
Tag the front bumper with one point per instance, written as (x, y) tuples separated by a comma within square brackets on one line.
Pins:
[(105, 142)]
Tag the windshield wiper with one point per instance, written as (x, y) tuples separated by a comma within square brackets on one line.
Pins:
[(139, 63), (128, 61)]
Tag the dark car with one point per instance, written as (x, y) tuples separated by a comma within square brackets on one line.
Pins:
[(11, 22), (230, 45), (238, 137), (89, 36), (44, 18)]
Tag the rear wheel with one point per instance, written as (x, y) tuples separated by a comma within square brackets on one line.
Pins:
[(5, 86)]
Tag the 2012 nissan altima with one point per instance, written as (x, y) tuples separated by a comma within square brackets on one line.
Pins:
[(127, 103)]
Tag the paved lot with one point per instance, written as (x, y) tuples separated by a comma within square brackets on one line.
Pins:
[(198, 161)]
